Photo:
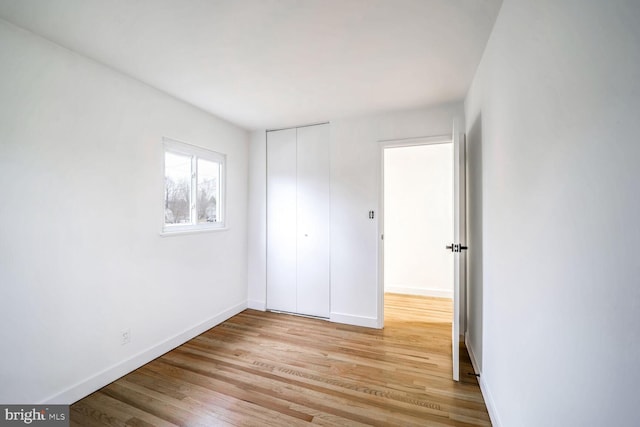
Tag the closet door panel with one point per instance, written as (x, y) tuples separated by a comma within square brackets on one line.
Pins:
[(281, 220), (313, 220)]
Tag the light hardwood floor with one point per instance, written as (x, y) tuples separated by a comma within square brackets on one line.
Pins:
[(268, 369)]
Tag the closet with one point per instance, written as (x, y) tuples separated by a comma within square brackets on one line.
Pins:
[(298, 220)]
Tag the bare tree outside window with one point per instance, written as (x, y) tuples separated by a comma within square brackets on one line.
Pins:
[(208, 181), (177, 200), (193, 187)]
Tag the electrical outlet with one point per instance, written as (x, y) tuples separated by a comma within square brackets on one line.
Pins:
[(125, 336)]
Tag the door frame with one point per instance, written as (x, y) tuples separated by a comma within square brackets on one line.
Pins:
[(398, 143)]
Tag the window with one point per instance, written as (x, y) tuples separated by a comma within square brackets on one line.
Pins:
[(193, 188)]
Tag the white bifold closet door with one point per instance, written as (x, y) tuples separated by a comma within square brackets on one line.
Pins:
[(298, 220), (282, 220)]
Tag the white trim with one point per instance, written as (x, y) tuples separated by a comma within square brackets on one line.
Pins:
[(419, 140), (425, 292), (257, 305), (384, 144), (380, 238), (489, 403), (484, 388), (350, 319), (459, 236), (180, 147), (112, 373), (191, 231), (297, 127)]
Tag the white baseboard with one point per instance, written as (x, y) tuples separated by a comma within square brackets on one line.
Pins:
[(257, 305), (349, 319), (491, 406), (484, 388), (112, 373), (425, 292)]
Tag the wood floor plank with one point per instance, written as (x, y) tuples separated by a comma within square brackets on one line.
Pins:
[(272, 369), (125, 414), (310, 391)]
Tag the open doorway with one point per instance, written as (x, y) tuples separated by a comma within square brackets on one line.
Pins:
[(418, 219), (418, 222), (425, 249)]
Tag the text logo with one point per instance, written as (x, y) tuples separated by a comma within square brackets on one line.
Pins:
[(37, 415)]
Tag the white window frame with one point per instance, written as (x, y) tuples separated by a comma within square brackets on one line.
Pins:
[(195, 152)]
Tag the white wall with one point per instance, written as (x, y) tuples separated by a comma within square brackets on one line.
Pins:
[(473, 337), (355, 189), (81, 257), (555, 104), (356, 161), (418, 220), (257, 221)]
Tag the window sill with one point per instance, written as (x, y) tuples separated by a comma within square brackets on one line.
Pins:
[(191, 231)]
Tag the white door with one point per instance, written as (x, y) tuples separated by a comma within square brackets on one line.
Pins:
[(298, 220), (313, 221), (459, 243), (281, 220)]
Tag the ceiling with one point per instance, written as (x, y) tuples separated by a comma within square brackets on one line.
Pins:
[(265, 64)]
